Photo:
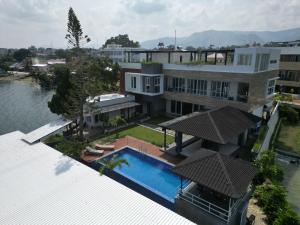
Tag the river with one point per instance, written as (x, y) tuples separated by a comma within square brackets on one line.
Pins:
[(23, 106)]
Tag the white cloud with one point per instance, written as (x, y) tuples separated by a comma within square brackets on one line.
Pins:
[(43, 22)]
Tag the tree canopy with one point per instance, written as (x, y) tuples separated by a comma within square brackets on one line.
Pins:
[(122, 39), (21, 54)]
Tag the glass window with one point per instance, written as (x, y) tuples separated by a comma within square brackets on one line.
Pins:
[(271, 87), (133, 82), (220, 89), (264, 63), (178, 84), (156, 84), (178, 108), (197, 87), (147, 84), (173, 105), (244, 59)]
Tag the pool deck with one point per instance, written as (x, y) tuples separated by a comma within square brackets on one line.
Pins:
[(146, 148), (140, 146)]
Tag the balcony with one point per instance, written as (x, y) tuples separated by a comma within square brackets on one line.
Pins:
[(145, 84), (220, 207)]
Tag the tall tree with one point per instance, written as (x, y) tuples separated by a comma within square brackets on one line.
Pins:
[(122, 39), (83, 78)]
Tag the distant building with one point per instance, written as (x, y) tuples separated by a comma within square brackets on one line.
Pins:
[(46, 66), (289, 70), (118, 53)]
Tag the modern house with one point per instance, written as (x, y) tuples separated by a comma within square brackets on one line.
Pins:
[(219, 190), (289, 70), (99, 110), (181, 82)]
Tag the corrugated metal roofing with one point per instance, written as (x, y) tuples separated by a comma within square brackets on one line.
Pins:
[(221, 173), (46, 130), (218, 125), (39, 185)]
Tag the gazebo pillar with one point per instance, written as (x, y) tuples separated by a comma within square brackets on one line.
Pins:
[(165, 138), (178, 136)]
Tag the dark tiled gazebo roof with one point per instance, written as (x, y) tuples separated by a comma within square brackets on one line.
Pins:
[(221, 173), (218, 125)]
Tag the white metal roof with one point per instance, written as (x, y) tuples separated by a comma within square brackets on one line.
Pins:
[(39, 185), (46, 130)]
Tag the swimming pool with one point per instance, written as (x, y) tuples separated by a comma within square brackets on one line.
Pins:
[(149, 173)]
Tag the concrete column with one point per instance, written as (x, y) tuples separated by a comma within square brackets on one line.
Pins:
[(178, 136)]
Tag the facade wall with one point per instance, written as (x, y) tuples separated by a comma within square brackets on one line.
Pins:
[(257, 95)]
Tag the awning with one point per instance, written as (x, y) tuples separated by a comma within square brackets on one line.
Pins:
[(46, 130), (116, 107)]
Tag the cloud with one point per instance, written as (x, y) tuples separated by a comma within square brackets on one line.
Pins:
[(144, 7), (43, 22)]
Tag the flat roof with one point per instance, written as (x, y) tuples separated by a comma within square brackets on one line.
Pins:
[(46, 130), (40, 185), (116, 107)]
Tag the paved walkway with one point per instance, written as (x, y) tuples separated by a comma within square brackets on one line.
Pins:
[(146, 148)]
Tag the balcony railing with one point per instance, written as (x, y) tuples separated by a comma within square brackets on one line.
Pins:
[(207, 206)]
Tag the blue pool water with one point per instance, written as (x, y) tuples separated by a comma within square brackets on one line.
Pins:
[(150, 173)]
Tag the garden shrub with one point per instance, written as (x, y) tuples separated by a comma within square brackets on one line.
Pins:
[(291, 115)]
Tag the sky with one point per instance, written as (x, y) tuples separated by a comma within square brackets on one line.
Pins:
[(43, 22)]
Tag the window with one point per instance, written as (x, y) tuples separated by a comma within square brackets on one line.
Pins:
[(147, 84), (244, 59), (178, 84), (271, 87), (133, 82), (176, 107), (264, 63), (220, 89), (173, 106), (290, 58), (156, 84), (197, 87)]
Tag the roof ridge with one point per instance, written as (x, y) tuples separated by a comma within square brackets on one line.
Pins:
[(197, 160), (215, 127), (225, 171)]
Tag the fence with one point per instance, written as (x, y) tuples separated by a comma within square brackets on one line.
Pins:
[(271, 127)]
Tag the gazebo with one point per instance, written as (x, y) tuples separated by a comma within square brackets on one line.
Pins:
[(219, 184), (222, 128)]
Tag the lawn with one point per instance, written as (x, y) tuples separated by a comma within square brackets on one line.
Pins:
[(288, 137), (138, 132), (158, 120)]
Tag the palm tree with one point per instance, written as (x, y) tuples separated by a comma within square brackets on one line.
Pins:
[(112, 163)]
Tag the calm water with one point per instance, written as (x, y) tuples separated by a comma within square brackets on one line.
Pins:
[(23, 106), (292, 183), (150, 173)]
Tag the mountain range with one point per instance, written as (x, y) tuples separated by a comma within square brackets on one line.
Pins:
[(226, 38)]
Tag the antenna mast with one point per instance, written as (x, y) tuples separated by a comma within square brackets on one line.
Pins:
[(175, 42)]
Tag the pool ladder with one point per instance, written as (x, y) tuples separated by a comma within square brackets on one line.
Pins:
[(144, 151)]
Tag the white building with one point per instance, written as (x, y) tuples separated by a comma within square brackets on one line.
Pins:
[(40, 185), (100, 109), (118, 53)]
